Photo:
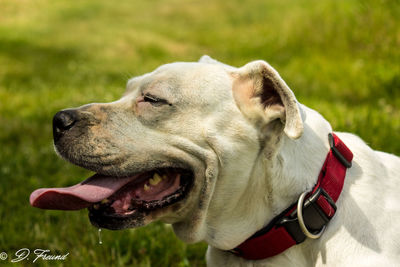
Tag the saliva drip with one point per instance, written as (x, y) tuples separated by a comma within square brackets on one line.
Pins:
[(100, 241)]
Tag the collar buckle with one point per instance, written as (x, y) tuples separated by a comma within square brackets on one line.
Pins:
[(315, 213)]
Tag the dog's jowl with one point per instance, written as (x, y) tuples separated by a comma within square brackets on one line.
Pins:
[(229, 156)]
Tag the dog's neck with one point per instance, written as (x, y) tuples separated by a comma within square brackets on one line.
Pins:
[(275, 183), (298, 163)]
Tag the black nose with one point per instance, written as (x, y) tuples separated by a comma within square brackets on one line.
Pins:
[(63, 121)]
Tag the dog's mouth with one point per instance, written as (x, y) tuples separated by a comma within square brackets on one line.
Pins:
[(119, 197), (153, 190)]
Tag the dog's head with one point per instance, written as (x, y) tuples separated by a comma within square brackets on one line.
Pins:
[(180, 137)]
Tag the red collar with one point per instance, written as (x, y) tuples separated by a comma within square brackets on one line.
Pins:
[(288, 229)]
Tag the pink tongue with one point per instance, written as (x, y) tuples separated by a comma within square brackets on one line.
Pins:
[(80, 196)]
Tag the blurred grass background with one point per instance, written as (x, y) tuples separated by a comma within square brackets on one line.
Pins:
[(340, 57)]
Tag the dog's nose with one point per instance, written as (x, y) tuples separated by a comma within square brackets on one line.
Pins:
[(63, 121)]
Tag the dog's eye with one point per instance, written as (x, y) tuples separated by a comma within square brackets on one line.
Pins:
[(150, 98), (154, 100)]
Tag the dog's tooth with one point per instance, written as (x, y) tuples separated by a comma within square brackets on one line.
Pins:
[(105, 201), (146, 187), (155, 180), (157, 177)]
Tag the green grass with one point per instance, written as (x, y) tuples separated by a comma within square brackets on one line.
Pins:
[(340, 57)]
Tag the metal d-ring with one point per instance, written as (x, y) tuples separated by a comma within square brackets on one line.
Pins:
[(303, 227)]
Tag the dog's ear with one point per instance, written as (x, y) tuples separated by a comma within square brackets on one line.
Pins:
[(261, 93)]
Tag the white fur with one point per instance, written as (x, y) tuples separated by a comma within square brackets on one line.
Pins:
[(251, 160)]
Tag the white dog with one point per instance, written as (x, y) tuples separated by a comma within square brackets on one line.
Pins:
[(227, 155)]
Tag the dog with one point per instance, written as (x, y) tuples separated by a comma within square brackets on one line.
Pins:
[(225, 155)]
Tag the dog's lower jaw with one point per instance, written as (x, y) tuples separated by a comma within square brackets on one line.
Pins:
[(115, 223)]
